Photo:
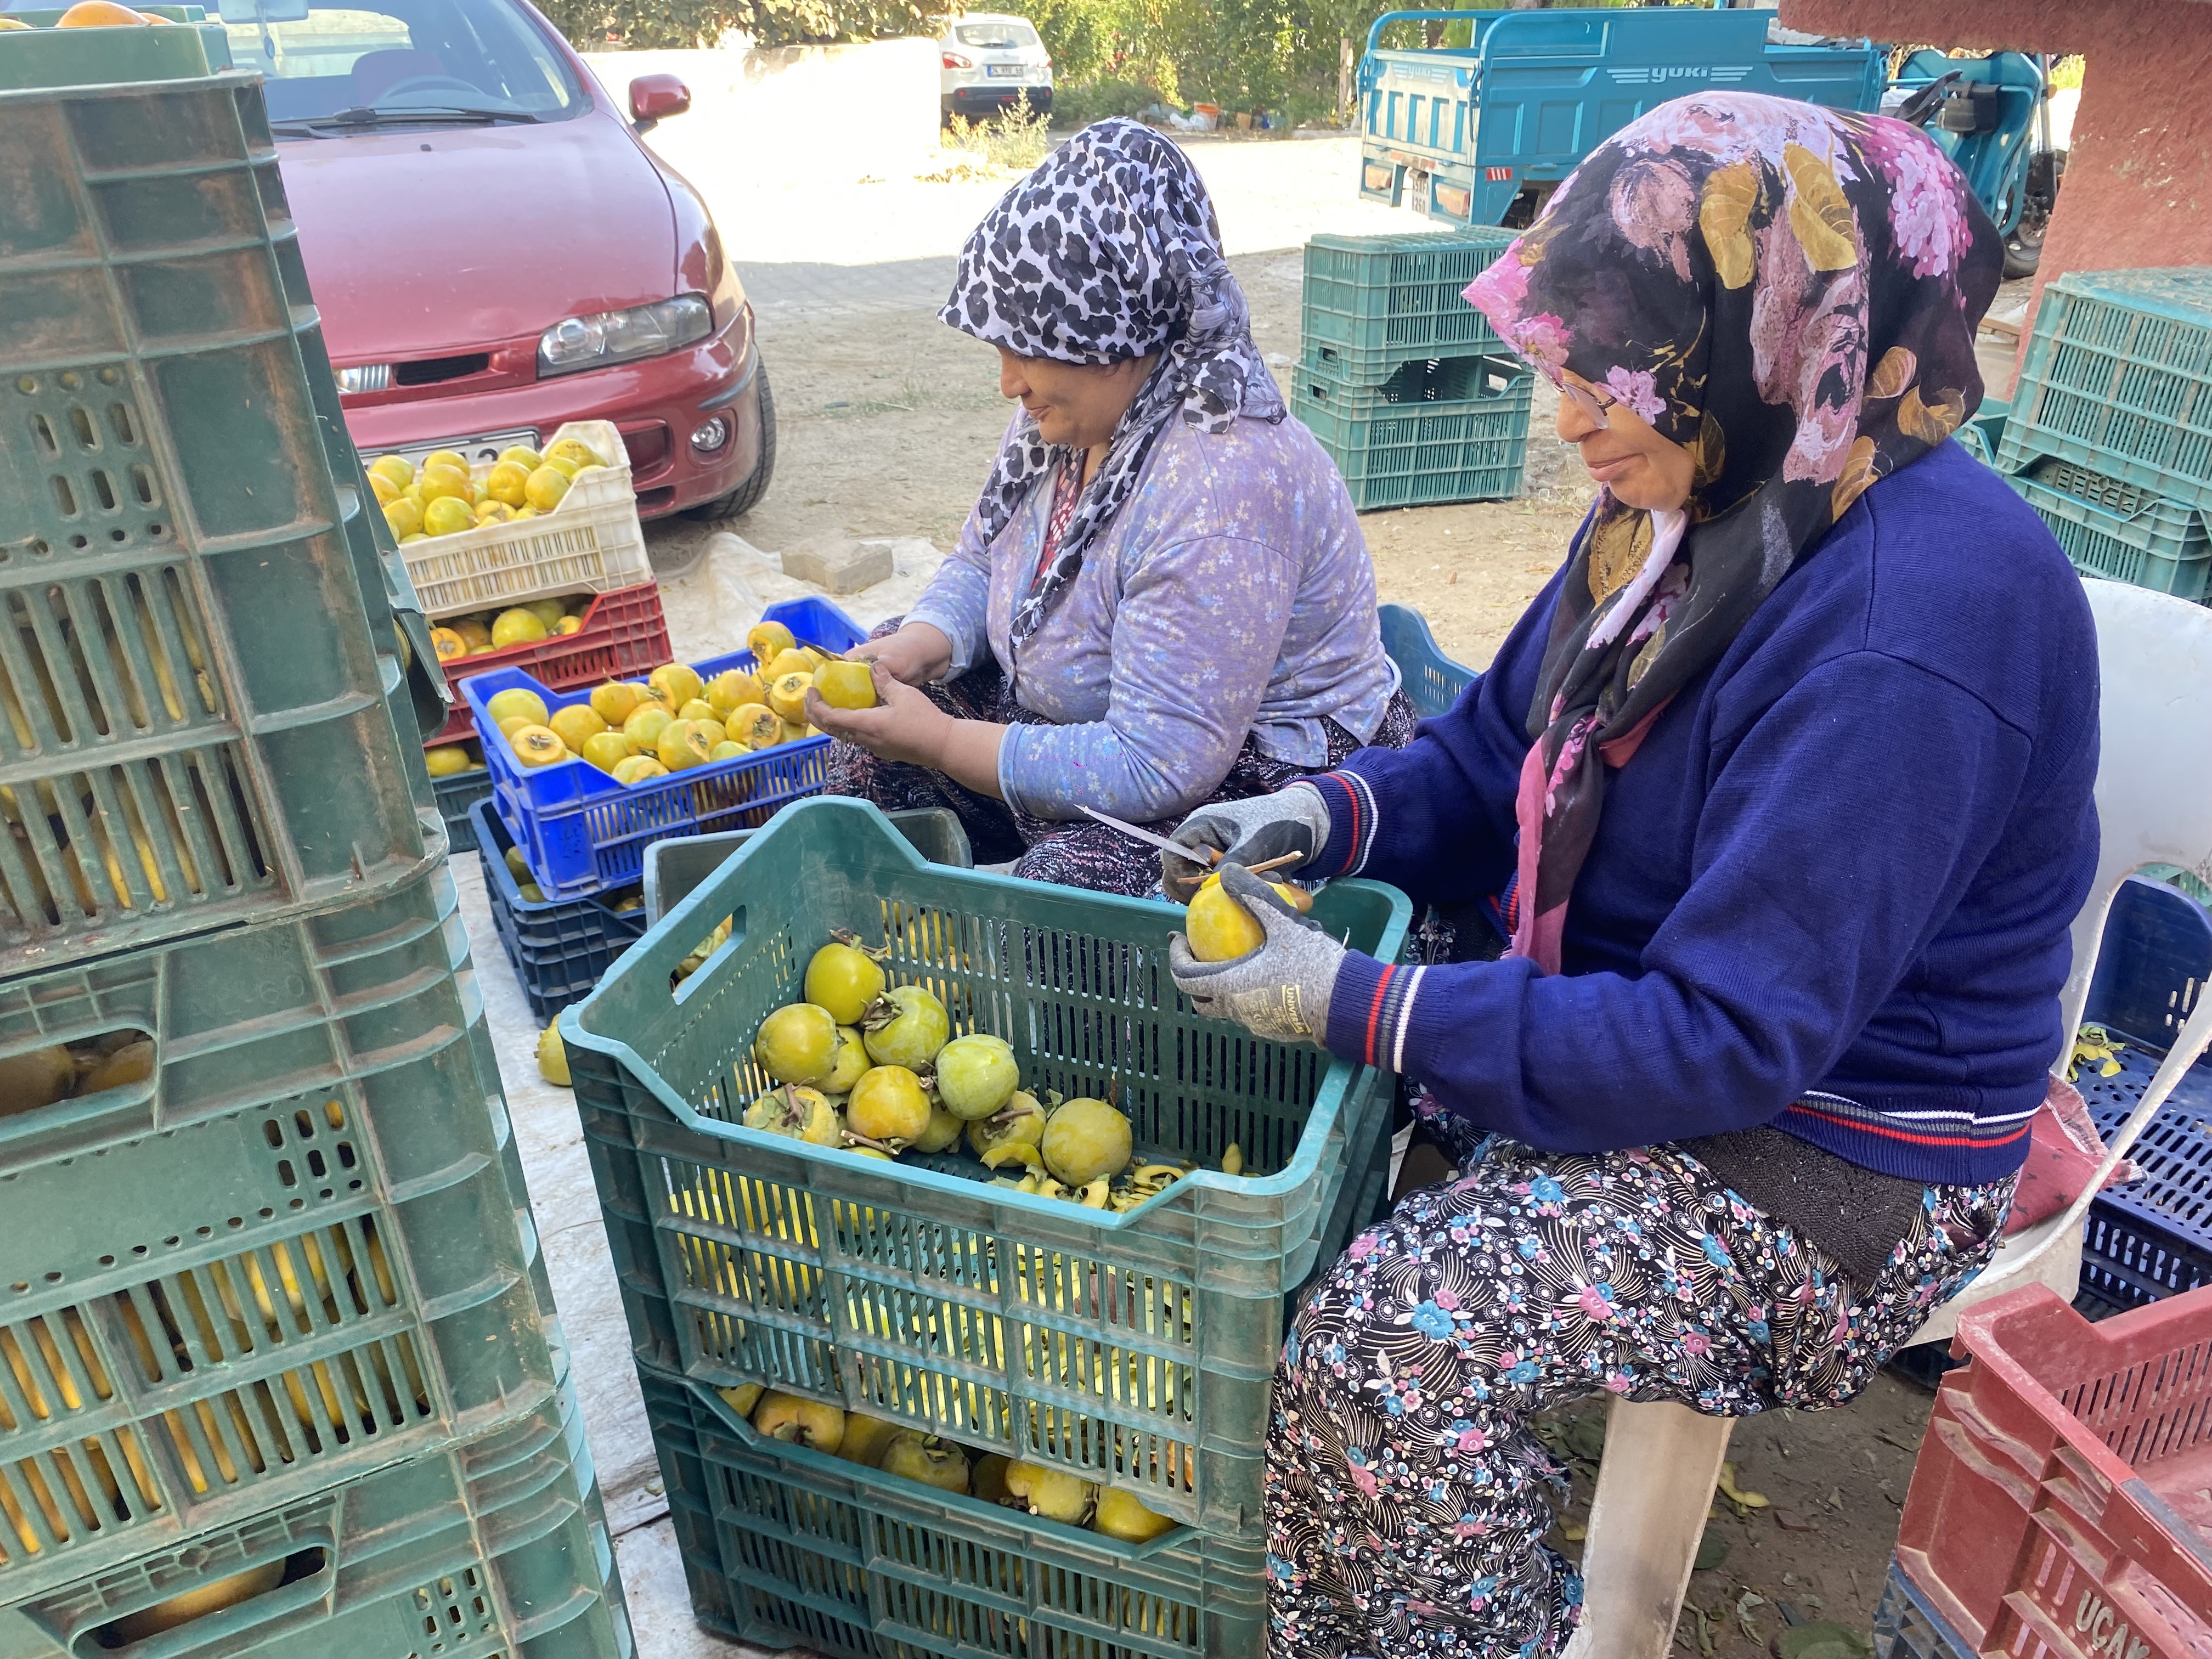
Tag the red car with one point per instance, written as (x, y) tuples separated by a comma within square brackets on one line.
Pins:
[(494, 252)]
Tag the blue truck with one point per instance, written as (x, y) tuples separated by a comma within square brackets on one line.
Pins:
[(1480, 127)]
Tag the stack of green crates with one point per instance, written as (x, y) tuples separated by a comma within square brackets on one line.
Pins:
[(2109, 436), (279, 1371), (1406, 385), (1133, 1349)]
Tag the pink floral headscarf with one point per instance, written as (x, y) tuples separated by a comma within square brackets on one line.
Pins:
[(1791, 293)]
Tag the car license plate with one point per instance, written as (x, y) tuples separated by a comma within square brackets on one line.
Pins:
[(483, 448), (1004, 71)]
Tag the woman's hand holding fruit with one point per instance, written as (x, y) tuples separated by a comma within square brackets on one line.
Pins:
[(918, 654), (903, 726)]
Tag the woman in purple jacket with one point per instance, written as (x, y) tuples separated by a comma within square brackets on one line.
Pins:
[(1786, 778), (1162, 596)]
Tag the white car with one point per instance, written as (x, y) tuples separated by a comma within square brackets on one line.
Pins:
[(989, 60)]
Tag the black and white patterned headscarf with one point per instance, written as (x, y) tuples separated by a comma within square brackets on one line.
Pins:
[(1107, 252)]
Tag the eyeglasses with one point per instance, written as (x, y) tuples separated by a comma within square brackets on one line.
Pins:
[(1592, 403)]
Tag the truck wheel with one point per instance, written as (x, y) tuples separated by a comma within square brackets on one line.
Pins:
[(747, 496), (2023, 249)]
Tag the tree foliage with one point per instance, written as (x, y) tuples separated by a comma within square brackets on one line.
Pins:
[(638, 24)]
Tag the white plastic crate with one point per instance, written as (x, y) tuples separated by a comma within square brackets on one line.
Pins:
[(592, 542)]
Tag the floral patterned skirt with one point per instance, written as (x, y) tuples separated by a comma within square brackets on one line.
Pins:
[(1077, 855), (1406, 1492)]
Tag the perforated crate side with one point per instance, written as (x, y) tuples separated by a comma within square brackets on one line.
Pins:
[(558, 948), (172, 491), (455, 796), (498, 1546), (1906, 1627), (2118, 377), (1371, 303), (782, 1545), (2166, 552), (1433, 681), (591, 542), (624, 636), (1452, 429), (728, 1241), (2052, 1506), (291, 1255), (583, 833)]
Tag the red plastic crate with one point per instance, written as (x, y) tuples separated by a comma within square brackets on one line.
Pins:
[(2058, 1506), (623, 633)]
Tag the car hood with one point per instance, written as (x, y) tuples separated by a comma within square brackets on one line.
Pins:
[(428, 241)]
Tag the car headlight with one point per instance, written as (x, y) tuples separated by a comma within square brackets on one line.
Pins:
[(619, 337)]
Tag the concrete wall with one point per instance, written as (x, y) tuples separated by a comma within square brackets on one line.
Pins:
[(839, 110), (2138, 190)]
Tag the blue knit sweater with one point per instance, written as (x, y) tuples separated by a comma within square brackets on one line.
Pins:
[(1831, 891)]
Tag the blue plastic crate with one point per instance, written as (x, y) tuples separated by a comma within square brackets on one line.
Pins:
[(558, 948), (455, 796), (1906, 1627), (1433, 681), (2152, 1238), (583, 833)]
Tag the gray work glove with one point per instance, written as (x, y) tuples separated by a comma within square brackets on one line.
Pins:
[(1279, 990), (1293, 819)]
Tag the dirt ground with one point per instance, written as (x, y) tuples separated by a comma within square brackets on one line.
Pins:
[(889, 422), (889, 419)]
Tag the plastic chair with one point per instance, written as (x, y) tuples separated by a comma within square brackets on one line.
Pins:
[(2155, 806)]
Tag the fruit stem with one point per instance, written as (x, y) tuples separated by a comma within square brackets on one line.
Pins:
[(884, 1146)]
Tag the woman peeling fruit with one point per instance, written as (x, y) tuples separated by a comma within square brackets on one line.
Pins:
[(1150, 504), (1761, 834)]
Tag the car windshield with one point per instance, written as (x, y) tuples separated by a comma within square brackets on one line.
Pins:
[(381, 61), (998, 37)]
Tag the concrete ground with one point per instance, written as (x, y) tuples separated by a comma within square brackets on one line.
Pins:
[(889, 421)]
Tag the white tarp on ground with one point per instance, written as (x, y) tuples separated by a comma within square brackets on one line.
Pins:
[(714, 603)]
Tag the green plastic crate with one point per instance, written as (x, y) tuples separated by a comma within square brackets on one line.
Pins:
[(1372, 304), (674, 868), (321, 1099), (1983, 435), (195, 682), (1449, 429), (68, 58), (782, 1546), (1433, 681), (918, 1290), (497, 1546), (2155, 544), (2117, 378), (785, 1548)]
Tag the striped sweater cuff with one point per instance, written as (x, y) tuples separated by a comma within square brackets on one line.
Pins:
[(1351, 822), (1370, 1009)]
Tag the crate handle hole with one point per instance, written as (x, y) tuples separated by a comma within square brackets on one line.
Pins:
[(249, 1586), (40, 1078)]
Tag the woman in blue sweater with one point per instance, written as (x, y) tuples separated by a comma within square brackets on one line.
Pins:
[(1785, 780)]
